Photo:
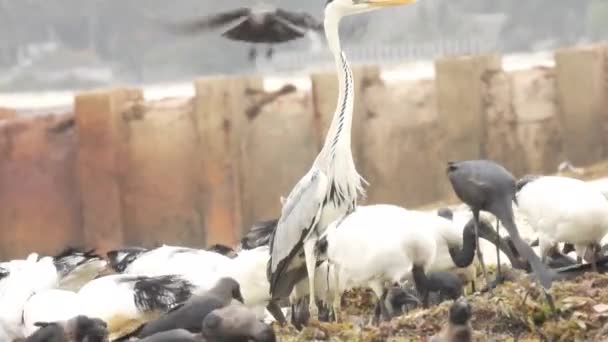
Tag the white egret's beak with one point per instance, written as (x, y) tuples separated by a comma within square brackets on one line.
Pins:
[(384, 3)]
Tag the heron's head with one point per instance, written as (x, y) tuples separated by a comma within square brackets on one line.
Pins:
[(343, 8)]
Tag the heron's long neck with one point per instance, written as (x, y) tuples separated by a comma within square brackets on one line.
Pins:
[(338, 137)]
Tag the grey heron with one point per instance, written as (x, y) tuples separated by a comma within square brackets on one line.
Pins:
[(331, 187), (486, 185), (259, 24)]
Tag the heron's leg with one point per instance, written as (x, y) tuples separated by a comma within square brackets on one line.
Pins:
[(275, 310), (269, 52), (498, 274), (478, 248), (594, 252), (309, 255), (337, 294), (580, 253), (378, 289)]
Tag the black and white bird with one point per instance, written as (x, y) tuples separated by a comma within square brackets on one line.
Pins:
[(259, 24), (331, 187), (200, 267), (125, 302), (563, 209), (22, 279), (486, 185), (369, 250)]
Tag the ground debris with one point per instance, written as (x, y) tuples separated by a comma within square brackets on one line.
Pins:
[(514, 311)]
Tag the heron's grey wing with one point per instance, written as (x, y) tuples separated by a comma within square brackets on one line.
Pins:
[(210, 22), (299, 214), (300, 19)]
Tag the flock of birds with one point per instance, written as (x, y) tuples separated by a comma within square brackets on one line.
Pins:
[(322, 244)]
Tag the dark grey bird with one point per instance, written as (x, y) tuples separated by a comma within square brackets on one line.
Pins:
[(392, 303), (236, 323), (448, 285), (175, 335), (190, 314), (260, 24), (459, 326), (486, 185), (77, 329)]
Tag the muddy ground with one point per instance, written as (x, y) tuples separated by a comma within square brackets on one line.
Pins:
[(514, 311)]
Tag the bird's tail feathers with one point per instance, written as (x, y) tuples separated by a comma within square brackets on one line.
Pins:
[(71, 258), (161, 293)]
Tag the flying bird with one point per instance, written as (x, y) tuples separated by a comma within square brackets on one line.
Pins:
[(260, 24), (331, 187)]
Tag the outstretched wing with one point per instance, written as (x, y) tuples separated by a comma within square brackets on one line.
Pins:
[(273, 29), (210, 22), (300, 19), (299, 215)]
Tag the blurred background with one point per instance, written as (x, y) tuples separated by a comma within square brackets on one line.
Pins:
[(68, 44)]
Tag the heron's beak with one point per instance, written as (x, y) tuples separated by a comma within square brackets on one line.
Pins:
[(386, 3)]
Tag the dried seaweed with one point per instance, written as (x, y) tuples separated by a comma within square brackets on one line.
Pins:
[(512, 311)]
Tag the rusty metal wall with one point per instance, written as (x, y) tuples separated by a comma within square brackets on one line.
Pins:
[(200, 171)]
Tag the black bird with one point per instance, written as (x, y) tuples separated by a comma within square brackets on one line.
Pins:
[(77, 329), (236, 323), (485, 185), (459, 325), (261, 24), (190, 314), (392, 303)]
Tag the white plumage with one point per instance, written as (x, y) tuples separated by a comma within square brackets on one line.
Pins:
[(562, 209), (379, 243), (50, 306), (248, 268), (24, 280)]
